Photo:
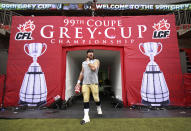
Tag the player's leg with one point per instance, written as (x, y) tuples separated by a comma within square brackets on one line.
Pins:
[(95, 93), (86, 97)]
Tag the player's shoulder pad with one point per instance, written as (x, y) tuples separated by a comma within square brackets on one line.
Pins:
[(83, 62)]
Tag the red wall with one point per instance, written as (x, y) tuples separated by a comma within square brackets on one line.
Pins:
[(59, 31)]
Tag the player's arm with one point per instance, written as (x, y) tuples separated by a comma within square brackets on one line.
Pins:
[(80, 78), (94, 66)]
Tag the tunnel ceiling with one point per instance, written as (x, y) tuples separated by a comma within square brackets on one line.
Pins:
[(105, 56)]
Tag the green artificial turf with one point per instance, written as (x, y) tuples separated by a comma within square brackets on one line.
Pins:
[(125, 124)]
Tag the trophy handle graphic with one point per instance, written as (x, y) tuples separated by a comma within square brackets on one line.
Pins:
[(44, 49), (25, 49), (141, 44), (160, 48)]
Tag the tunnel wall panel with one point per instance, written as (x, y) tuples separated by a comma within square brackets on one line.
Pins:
[(107, 33)]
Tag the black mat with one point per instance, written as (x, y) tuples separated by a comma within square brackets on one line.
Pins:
[(109, 111)]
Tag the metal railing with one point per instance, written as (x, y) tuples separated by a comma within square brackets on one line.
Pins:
[(6, 17), (183, 17)]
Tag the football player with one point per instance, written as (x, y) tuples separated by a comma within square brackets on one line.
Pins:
[(89, 78)]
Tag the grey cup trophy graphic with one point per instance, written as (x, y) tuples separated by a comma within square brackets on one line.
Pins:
[(33, 90), (154, 90)]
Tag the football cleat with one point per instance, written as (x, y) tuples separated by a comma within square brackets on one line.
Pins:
[(84, 121)]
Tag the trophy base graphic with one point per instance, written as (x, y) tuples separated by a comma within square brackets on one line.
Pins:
[(32, 104), (164, 103), (154, 89), (33, 91)]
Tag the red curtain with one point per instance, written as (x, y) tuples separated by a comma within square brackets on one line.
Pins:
[(187, 81), (187, 88), (2, 80)]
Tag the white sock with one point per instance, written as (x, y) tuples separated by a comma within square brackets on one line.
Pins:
[(99, 111), (86, 115)]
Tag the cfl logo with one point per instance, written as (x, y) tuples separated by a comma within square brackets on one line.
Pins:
[(161, 34), (161, 30), (25, 31), (23, 36)]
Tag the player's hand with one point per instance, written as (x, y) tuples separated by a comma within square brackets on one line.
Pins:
[(78, 88), (87, 59)]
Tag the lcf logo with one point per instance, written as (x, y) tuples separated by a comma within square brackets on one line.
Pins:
[(25, 31), (161, 30)]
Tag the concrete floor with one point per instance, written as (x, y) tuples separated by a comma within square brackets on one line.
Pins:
[(76, 111)]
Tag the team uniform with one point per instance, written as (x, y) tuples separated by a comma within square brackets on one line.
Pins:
[(90, 84)]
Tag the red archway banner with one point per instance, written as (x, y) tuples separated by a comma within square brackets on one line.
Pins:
[(36, 54), (2, 82)]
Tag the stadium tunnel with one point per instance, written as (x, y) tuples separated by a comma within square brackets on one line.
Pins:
[(109, 71)]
